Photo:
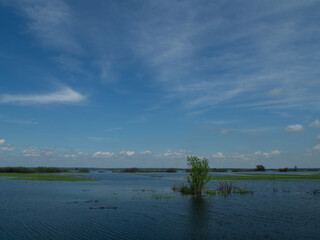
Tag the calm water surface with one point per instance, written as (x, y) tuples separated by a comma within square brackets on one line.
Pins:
[(148, 209)]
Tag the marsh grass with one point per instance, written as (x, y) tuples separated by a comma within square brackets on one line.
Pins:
[(228, 187), (43, 177)]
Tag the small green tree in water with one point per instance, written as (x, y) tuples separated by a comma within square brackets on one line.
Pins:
[(198, 174)]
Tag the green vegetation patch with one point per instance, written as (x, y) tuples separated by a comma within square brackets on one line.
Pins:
[(252, 176), (32, 170), (43, 177)]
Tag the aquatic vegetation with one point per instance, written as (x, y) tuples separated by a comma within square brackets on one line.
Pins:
[(211, 191), (315, 191), (44, 177), (228, 187), (184, 189), (242, 191)]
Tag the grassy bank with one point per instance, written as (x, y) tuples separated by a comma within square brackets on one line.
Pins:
[(252, 176), (43, 177)]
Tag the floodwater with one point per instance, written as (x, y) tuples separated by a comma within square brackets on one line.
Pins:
[(147, 208)]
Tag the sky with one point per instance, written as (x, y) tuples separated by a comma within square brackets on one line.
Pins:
[(146, 83)]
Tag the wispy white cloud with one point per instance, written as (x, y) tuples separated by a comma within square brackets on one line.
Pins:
[(177, 154), (69, 63), (52, 22), (317, 147), (99, 138), (275, 152), (31, 152), (114, 129), (7, 149), (218, 155), (294, 128), (224, 131), (103, 154), (318, 137), (65, 95), (2, 141), (266, 154), (128, 153), (262, 69), (275, 92), (17, 121), (316, 123), (107, 74), (146, 152)]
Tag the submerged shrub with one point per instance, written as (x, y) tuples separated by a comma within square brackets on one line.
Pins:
[(199, 175)]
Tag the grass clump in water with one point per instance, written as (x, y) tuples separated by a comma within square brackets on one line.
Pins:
[(228, 187), (184, 189), (211, 191)]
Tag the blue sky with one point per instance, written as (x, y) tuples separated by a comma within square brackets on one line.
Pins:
[(146, 83)]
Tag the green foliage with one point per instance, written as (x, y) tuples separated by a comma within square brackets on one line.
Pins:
[(199, 175), (260, 168)]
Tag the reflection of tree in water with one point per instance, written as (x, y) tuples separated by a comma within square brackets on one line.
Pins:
[(199, 213)]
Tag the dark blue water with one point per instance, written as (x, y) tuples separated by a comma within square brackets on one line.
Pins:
[(148, 209)]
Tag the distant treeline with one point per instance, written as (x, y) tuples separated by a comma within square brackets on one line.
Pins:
[(137, 170), (31, 170)]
